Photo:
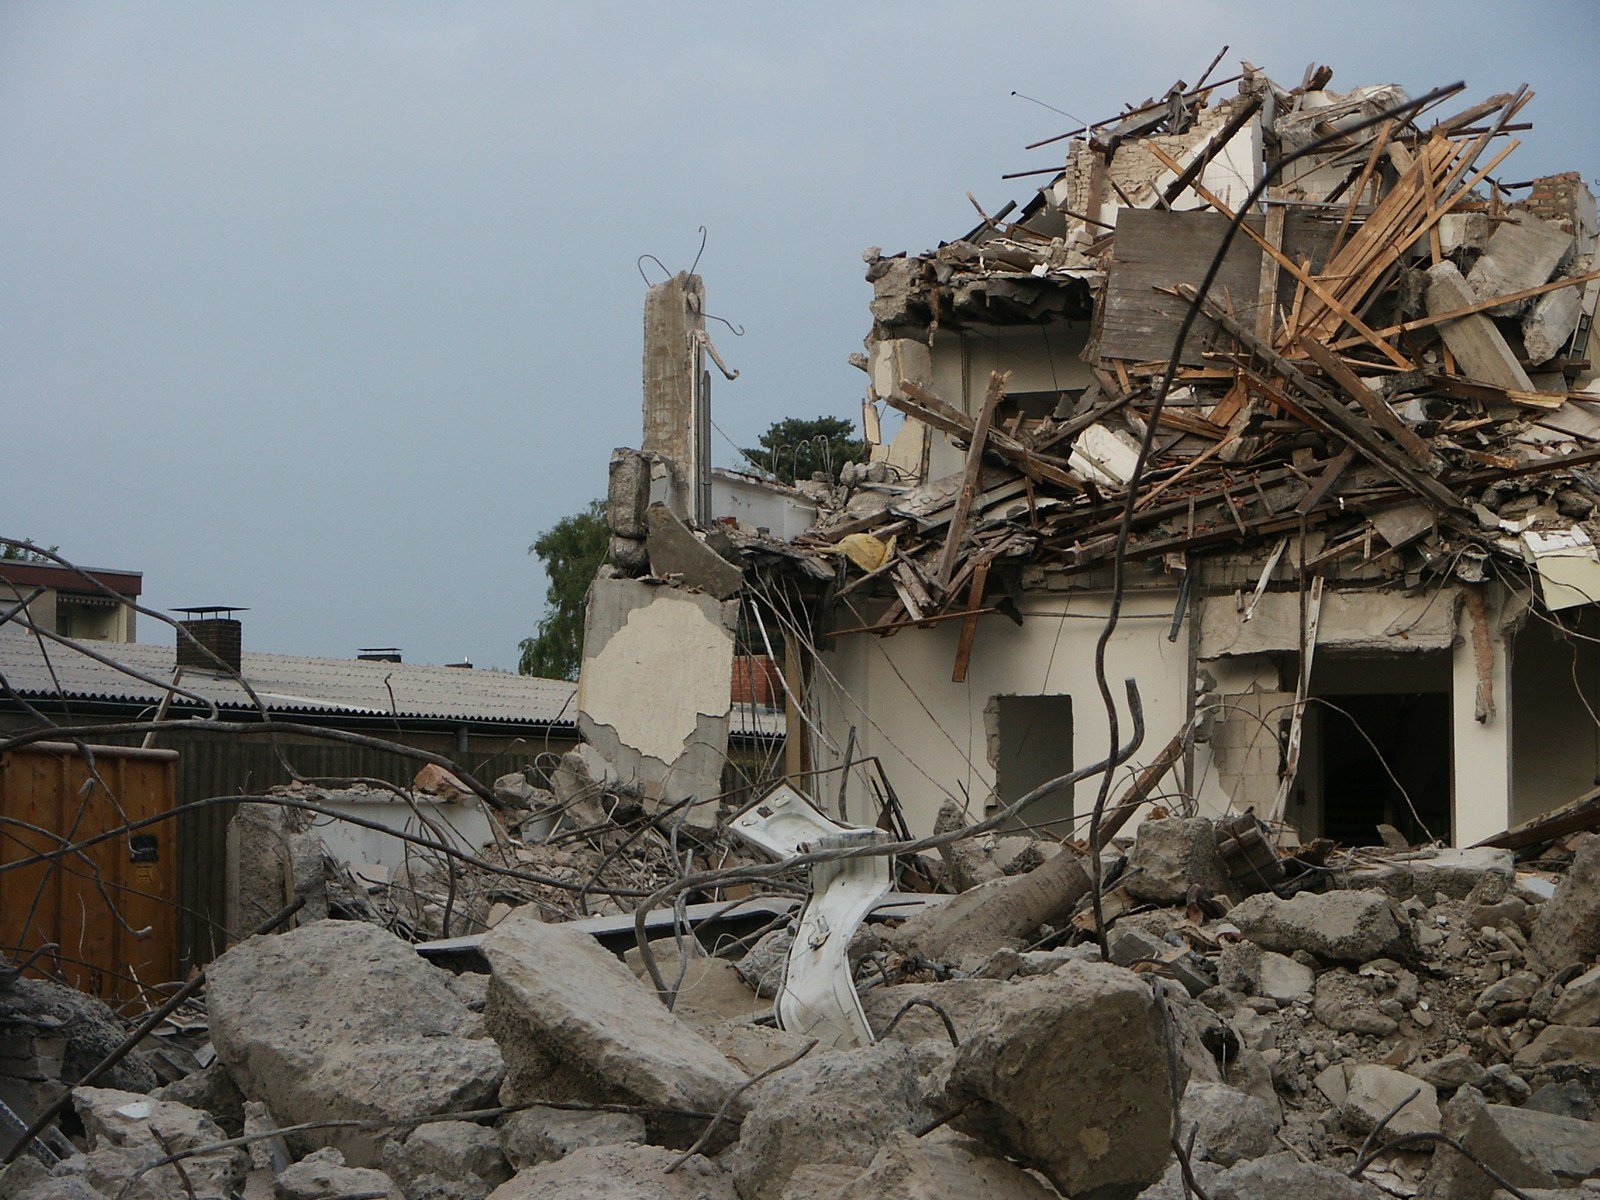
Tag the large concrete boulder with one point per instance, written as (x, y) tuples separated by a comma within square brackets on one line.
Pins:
[(1070, 1073), (127, 1130), (629, 1172), (1340, 926), (941, 1168), (1567, 929), (831, 1107), (570, 1017), (338, 1019), (1170, 856)]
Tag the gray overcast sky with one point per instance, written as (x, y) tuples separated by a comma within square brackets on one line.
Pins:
[(328, 309)]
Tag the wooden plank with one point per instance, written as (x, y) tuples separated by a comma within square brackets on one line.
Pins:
[(1478, 306), (1334, 367), (1267, 294), (1354, 430), (1330, 475), (922, 404), (1294, 268), (969, 627), (1156, 251), (969, 481)]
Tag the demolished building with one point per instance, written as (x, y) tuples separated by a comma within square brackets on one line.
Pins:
[(1206, 1008), (1359, 564)]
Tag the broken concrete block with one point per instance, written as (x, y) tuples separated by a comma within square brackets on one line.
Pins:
[(1480, 352), (1579, 1001), (458, 1159), (964, 1001), (1550, 322), (1444, 874), (966, 863), (1002, 913), (628, 556), (628, 493), (340, 1019), (559, 1003), (212, 1091), (122, 1129), (324, 1174), (1559, 1044), (626, 1172), (1372, 1091), (1280, 1176), (764, 963), (1477, 1126), (754, 1048), (676, 554), (434, 780), (1566, 1147), (1567, 929), (1344, 1004), (1069, 1073), (1341, 926), (537, 1135), (1521, 253), (1232, 1125), (941, 1168), (1451, 1072), (832, 1106), (1283, 978), (1171, 855)]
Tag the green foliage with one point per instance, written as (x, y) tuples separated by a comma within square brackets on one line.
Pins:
[(796, 448), (571, 550), (12, 553)]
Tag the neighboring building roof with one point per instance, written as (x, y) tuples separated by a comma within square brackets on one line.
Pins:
[(295, 684), (23, 573)]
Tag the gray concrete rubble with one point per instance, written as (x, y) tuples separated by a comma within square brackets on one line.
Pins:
[(623, 1172), (1070, 1073), (1172, 855), (339, 1019), (1337, 926), (569, 1014)]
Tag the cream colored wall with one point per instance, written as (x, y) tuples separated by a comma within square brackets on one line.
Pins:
[(933, 740), (931, 732)]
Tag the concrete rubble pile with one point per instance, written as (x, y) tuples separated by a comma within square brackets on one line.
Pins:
[(1338, 1030)]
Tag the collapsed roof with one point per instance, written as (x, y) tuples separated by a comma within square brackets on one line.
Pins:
[(1389, 368)]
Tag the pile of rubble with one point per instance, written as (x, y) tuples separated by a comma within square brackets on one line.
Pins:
[(1390, 364), (1385, 1021)]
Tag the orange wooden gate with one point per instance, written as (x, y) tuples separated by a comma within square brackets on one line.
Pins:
[(107, 915)]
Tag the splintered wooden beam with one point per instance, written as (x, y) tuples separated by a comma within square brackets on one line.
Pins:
[(969, 481), (1352, 428), (926, 407), (969, 627), (1350, 383)]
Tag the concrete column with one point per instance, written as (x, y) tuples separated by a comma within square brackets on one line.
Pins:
[(672, 384), (1482, 805)]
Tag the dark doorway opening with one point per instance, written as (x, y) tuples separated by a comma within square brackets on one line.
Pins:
[(1385, 760), (1035, 745)]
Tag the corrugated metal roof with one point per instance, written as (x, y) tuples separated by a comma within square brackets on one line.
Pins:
[(289, 684)]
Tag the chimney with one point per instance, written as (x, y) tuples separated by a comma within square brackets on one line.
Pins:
[(390, 654), (216, 629)]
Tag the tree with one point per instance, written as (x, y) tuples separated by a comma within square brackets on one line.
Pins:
[(24, 553), (571, 550), (796, 448)]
